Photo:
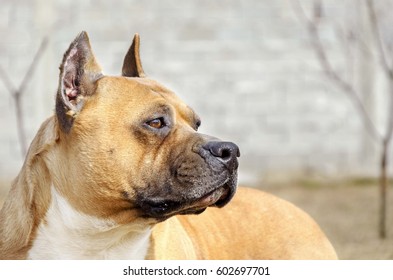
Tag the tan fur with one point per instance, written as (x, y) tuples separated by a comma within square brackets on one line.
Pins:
[(103, 161), (29, 197)]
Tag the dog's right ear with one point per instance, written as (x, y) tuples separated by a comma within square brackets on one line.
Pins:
[(79, 72), (132, 65)]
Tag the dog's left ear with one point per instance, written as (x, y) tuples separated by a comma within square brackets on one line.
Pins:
[(79, 72), (132, 66)]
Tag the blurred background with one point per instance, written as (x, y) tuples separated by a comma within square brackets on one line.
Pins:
[(303, 87)]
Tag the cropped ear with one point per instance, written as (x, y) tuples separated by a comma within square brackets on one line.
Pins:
[(79, 72), (132, 66)]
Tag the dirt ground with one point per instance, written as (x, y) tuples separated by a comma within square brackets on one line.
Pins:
[(346, 211)]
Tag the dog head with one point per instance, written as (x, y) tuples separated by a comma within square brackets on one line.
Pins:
[(130, 148)]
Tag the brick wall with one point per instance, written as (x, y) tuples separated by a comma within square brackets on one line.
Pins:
[(246, 67)]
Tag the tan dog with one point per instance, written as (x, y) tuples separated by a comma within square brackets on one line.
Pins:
[(108, 176)]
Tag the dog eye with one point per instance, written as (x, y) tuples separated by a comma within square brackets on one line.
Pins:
[(197, 124), (156, 123)]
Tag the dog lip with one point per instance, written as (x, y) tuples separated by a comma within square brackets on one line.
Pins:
[(219, 197), (159, 209), (164, 209), (224, 198), (200, 205), (214, 196)]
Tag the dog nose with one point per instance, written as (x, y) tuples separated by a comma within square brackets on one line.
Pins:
[(226, 152)]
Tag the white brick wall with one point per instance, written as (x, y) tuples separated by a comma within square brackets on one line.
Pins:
[(245, 66)]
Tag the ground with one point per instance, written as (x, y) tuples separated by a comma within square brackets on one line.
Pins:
[(347, 211)]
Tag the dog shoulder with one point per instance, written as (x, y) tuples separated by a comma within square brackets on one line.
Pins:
[(290, 232)]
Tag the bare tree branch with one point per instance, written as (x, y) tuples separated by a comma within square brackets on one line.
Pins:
[(384, 163), (378, 38), (364, 47), (348, 89), (383, 139), (7, 82), (33, 64), (17, 93), (385, 65)]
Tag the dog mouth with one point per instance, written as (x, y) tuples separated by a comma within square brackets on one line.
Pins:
[(164, 209), (218, 198)]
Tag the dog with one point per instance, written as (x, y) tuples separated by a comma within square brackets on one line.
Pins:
[(120, 171)]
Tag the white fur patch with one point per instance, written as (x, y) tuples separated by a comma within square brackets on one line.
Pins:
[(69, 234)]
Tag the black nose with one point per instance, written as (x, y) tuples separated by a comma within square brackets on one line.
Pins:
[(226, 152)]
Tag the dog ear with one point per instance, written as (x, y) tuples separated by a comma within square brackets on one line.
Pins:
[(132, 66), (78, 73)]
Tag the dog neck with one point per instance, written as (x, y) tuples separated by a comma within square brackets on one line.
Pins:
[(66, 233)]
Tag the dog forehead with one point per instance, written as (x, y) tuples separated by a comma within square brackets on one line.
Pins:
[(133, 89), (140, 91)]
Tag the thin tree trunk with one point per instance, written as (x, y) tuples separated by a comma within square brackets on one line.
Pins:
[(20, 124), (383, 186)]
